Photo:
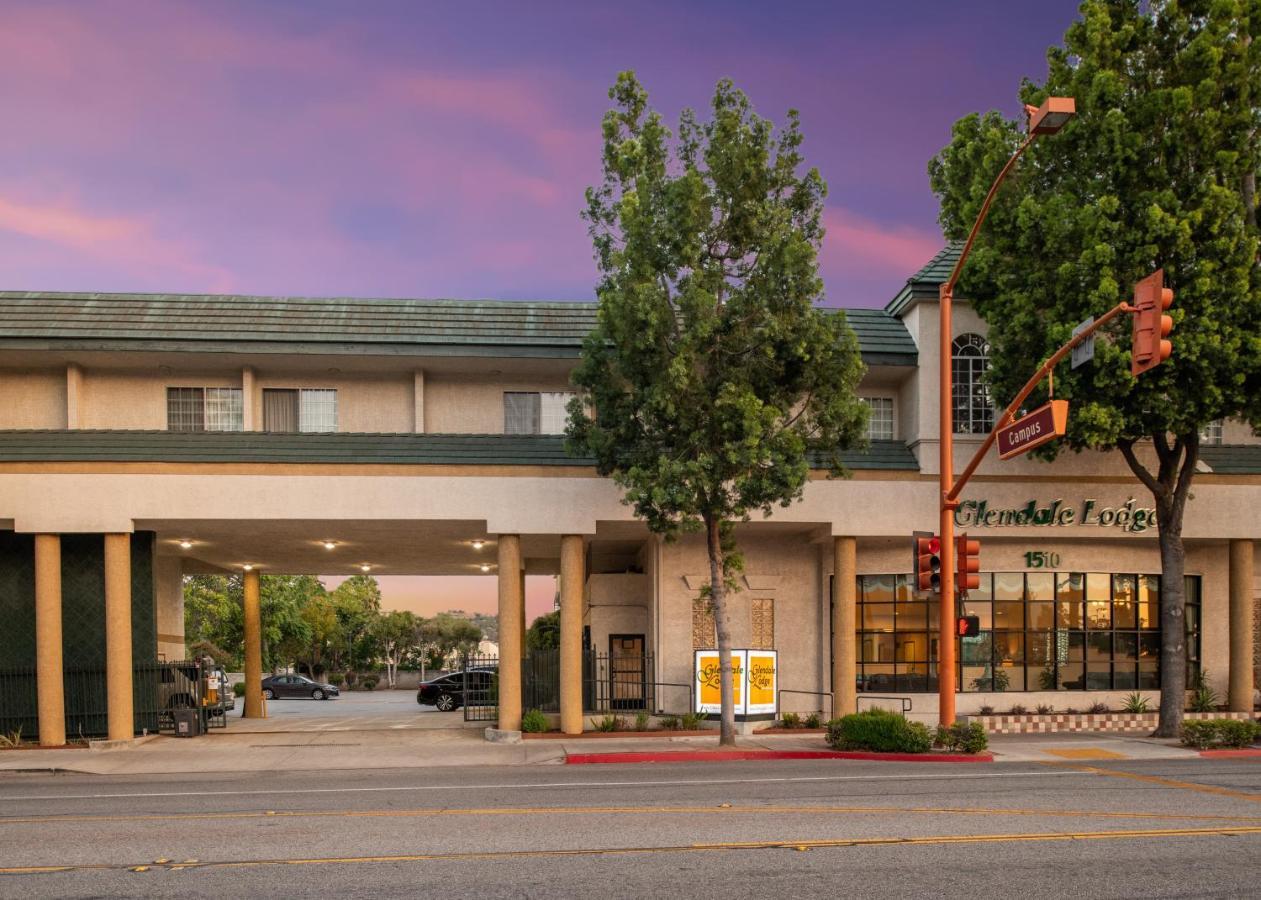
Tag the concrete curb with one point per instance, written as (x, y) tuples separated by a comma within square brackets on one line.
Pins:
[(668, 756)]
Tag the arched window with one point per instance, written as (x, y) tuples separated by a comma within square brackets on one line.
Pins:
[(973, 410)]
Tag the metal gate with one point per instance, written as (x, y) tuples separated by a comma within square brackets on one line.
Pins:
[(480, 688)]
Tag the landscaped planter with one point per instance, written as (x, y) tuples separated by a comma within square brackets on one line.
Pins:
[(658, 733), (1047, 723)]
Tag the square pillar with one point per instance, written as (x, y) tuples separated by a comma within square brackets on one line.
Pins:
[(252, 620), (572, 579), (844, 626), (49, 675), (511, 631), (1241, 634), (118, 662)]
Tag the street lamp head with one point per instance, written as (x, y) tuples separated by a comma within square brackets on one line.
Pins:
[(1052, 115)]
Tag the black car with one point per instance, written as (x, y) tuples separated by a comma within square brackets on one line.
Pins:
[(281, 686), (447, 693)]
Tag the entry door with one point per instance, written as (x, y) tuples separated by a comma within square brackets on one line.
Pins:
[(627, 675)]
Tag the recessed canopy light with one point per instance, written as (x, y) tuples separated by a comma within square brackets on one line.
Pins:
[(478, 545), (330, 545), (485, 568), (186, 544), (365, 568), (249, 567)]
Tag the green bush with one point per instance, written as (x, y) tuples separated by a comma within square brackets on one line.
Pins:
[(790, 720), (814, 720), (336, 679), (669, 723), (1208, 734), (878, 730), (641, 721), (1097, 709), (965, 737), (238, 689), (692, 721), (1203, 698), (369, 683), (1135, 703), (534, 722), (608, 723)]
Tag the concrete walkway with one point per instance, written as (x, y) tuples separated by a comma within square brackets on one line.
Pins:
[(442, 747)]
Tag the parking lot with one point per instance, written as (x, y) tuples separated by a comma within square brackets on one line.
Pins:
[(381, 710)]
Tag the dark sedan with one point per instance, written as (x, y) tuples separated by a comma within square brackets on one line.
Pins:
[(280, 686), (447, 693)]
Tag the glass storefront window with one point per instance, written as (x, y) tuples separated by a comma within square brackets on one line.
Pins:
[(1039, 631)]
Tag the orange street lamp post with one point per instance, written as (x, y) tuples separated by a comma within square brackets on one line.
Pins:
[(1045, 119)]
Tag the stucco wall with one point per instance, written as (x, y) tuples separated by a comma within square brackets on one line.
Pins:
[(619, 604), (32, 399), (381, 404), (475, 404), (135, 399)]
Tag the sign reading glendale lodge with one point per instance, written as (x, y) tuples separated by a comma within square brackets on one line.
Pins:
[(1127, 516)]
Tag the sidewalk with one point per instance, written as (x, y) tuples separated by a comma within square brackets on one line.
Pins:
[(307, 751)]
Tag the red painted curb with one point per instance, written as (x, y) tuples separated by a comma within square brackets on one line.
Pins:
[(1243, 753), (642, 756)]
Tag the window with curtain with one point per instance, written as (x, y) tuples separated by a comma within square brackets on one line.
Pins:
[(1213, 432), (536, 412), (204, 409), (973, 407), (299, 409)]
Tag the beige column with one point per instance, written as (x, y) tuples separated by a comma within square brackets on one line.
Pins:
[(118, 663), (253, 647), (418, 401), (251, 416), (571, 583), (844, 626), (511, 629), (49, 676), (74, 396), (1241, 635)]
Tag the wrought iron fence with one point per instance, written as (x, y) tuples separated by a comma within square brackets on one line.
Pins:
[(480, 691)]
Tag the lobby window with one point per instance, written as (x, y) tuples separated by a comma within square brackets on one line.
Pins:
[(973, 408), (299, 409), (704, 632), (536, 412), (762, 615), (879, 418), (1040, 631), (204, 409), (1213, 432)]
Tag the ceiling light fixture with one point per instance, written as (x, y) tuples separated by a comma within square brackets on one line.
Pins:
[(249, 567), (478, 545), (330, 545), (186, 544), (485, 568), (365, 568)]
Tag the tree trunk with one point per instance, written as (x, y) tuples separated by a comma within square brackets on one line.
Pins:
[(722, 625), (1170, 486)]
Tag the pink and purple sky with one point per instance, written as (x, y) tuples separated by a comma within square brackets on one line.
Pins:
[(426, 149)]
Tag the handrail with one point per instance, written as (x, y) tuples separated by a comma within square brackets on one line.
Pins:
[(828, 694), (905, 701)]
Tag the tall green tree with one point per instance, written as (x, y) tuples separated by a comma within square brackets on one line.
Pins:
[(1157, 170), (357, 602), (712, 374), (544, 632), (396, 633)]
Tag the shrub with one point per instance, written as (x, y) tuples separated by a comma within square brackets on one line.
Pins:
[(238, 689), (1096, 709), (692, 721), (1135, 703), (790, 720), (987, 710), (1018, 710), (534, 722), (336, 679), (1045, 708), (966, 737), (369, 683), (609, 723), (878, 730), (1072, 710), (641, 721), (350, 679), (669, 723), (1207, 734), (814, 720), (1203, 697)]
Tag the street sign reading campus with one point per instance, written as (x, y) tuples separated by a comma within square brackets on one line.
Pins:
[(1044, 424)]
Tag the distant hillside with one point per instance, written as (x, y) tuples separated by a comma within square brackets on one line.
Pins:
[(488, 624)]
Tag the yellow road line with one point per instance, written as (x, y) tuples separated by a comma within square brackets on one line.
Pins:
[(443, 812), (1166, 782), (685, 848)]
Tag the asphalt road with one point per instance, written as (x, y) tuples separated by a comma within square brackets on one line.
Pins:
[(1182, 828)]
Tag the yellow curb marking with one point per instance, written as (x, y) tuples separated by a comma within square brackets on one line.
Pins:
[(1086, 753)]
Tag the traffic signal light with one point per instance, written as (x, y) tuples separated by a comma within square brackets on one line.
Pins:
[(927, 550), (968, 626), (1148, 347), (967, 572)]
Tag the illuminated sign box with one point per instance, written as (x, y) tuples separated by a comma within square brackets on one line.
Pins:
[(754, 678)]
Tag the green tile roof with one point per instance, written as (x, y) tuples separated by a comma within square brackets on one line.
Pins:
[(347, 448), (924, 283), (1232, 459), (243, 324)]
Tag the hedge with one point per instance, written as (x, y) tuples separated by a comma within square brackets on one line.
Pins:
[(878, 730), (1207, 734)]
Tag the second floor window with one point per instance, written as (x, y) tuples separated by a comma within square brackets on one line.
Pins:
[(973, 409), (533, 412), (880, 418), (1213, 432), (304, 409), (204, 409)]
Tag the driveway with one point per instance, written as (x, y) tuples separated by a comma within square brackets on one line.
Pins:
[(381, 710)]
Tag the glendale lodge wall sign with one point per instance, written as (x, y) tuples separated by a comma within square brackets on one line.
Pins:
[(1127, 516)]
